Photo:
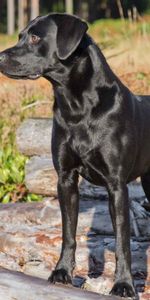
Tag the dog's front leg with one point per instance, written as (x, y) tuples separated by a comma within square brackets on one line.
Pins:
[(119, 210), (69, 204)]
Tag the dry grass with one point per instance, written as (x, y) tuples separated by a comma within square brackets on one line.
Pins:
[(132, 64), (126, 49), (15, 96)]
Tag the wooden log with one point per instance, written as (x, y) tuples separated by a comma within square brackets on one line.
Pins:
[(30, 240), (40, 172), (34, 137), (16, 285), (41, 178)]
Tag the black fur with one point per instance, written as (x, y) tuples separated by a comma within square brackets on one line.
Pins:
[(101, 130)]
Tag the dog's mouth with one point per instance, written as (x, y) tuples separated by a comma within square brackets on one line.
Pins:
[(15, 76), (34, 76)]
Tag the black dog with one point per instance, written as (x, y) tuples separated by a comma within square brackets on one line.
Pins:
[(101, 130)]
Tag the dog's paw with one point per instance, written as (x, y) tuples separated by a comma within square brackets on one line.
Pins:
[(123, 289), (60, 275)]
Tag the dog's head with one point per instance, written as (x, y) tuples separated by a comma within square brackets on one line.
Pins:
[(45, 41)]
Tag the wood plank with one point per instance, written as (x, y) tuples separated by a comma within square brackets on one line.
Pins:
[(16, 285)]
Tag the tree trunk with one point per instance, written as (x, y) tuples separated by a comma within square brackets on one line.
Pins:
[(120, 9), (34, 9), (10, 17), (20, 15), (69, 6)]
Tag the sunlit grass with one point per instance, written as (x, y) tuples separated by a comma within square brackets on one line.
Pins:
[(116, 36)]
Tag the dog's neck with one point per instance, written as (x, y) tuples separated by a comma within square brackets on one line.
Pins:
[(86, 73), (87, 56)]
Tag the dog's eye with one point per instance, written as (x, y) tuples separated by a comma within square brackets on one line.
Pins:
[(34, 39)]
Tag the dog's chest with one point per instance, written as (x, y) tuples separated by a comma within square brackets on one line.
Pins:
[(81, 140), (86, 145)]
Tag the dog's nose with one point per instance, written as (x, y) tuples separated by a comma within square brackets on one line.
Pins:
[(2, 57)]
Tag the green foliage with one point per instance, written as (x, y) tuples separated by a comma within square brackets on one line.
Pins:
[(47, 6), (12, 174), (142, 6), (30, 100), (109, 33), (141, 75)]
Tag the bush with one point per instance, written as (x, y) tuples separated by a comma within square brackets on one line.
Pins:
[(12, 175)]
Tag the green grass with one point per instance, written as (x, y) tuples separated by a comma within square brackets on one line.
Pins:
[(6, 40), (12, 175), (12, 163), (111, 32)]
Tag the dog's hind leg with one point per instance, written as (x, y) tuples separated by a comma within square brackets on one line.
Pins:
[(145, 179), (119, 210)]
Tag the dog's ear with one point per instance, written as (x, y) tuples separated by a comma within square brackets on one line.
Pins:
[(70, 31)]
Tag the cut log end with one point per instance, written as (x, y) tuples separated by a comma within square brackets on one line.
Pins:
[(34, 137), (41, 177)]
